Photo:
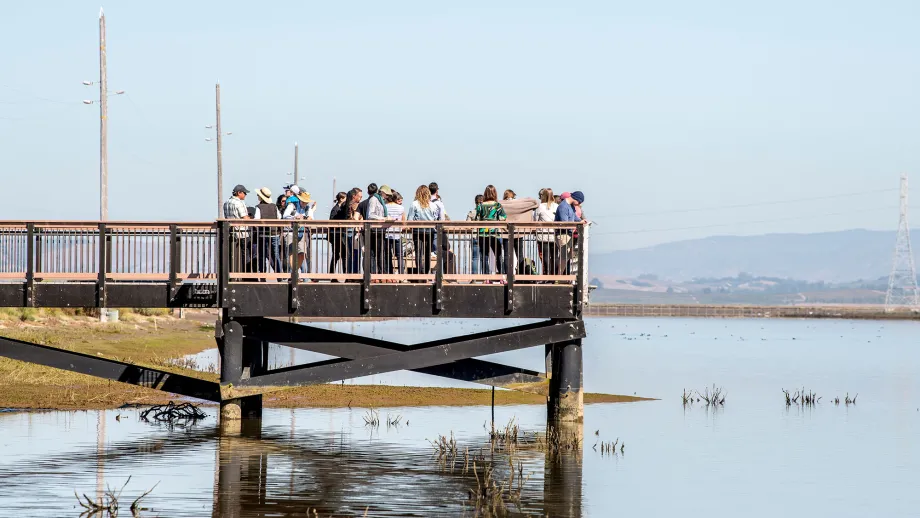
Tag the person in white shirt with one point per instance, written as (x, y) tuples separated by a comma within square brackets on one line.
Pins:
[(395, 212), (546, 240)]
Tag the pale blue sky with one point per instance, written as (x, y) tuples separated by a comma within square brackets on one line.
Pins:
[(645, 106)]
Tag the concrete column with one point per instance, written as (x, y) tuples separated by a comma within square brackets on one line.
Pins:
[(234, 357), (565, 401)]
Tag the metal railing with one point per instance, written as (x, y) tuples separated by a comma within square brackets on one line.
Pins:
[(79, 251), (295, 252), (386, 252)]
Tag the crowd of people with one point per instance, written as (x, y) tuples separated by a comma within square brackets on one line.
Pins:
[(274, 248)]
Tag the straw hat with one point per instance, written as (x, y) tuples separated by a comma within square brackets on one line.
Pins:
[(264, 194), (304, 197)]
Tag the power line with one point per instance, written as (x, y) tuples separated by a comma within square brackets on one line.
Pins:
[(35, 97), (735, 223), (745, 205)]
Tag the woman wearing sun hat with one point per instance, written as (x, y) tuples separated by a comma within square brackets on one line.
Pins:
[(303, 210)]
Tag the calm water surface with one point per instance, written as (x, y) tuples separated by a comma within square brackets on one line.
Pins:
[(754, 457)]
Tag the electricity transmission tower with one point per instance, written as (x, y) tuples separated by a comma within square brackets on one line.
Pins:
[(902, 283)]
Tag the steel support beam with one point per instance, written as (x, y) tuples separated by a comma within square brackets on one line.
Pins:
[(109, 369), (344, 345), (428, 354)]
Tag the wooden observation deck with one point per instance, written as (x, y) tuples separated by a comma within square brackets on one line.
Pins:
[(255, 271)]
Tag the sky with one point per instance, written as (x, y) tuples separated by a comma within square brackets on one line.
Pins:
[(677, 119)]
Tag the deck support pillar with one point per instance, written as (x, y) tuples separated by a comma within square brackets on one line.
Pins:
[(239, 357), (565, 401)]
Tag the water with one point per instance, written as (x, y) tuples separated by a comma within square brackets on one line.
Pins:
[(754, 457)]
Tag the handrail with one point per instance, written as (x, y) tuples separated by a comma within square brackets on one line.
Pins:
[(437, 253)]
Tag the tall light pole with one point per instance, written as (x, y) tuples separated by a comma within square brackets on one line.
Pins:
[(295, 164), (103, 125), (220, 162)]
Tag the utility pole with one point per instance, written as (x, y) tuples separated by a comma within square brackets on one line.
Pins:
[(295, 164), (220, 167), (902, 283), (103, 126)]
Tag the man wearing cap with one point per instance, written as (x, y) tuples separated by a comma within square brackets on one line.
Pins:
[(564, 243), (241, 246)]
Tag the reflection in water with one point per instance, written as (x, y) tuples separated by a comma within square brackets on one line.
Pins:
[(562, 474), (261, 476), (284, 470)]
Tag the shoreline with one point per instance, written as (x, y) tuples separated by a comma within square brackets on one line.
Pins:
[(156, 339)]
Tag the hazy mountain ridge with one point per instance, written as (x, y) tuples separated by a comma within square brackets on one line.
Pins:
[(828, 256)]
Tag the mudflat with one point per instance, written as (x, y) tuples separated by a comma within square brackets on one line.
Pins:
[(156, 339)]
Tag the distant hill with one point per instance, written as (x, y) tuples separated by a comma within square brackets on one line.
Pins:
[(829, 256)]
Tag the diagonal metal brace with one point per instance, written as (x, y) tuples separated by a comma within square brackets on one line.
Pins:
[(428, 354), (109, 369), (344, 345)]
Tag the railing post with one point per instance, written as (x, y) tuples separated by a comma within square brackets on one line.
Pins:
[(173, 262), (439, 270), (38, 248), (30, 265), (223, 245), (366, 284), (295, 268), (509, 270), (582, 271), (101, 297)]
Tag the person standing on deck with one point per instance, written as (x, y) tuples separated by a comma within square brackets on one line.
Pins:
[(439, 203), (337, 204), (375, 243), (395, 212), (566, 214), (266, 238), (423, 210), (518, 210), (362, 207), (474, 241), (347, 239), (490, 210), (546, 239), (241, 245)]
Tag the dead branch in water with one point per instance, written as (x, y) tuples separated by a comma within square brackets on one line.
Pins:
[(173, 413), (108, 504)]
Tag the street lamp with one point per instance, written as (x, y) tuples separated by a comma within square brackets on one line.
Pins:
[(220, 169)]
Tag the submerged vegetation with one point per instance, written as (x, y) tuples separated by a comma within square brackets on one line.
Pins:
[(108, 505), (714, 397)]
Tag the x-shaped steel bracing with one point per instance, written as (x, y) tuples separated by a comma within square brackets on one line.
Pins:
[(359, 356)]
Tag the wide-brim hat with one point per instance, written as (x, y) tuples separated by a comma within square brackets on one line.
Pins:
[(385, 189), (264, 194), (304, 197)]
